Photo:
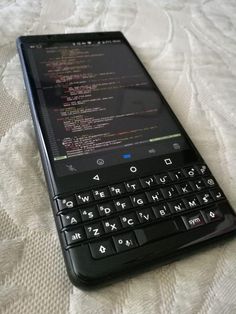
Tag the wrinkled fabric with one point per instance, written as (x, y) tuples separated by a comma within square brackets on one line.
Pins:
[(189, 48)]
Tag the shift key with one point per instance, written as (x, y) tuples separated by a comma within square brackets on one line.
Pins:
[(156, 232)]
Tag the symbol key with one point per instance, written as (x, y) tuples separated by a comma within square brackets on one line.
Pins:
[(117, 189), (129, 220), (67, 202), (111, 225), (169, 192), (106, 209), (210, 182), (217, 194), (184, 188), (71, 218), (177, 206), (191, 202), (193, 220), (139, 200), (89, 213), (132, 186), (205, 198), (123, 204), (101, 193), (161, 211), (145, 215), (198, 185), (94, 230), (154, 196), (84, 198), (148, 182), (191, 172), (203, 169), (177, 175), (162, 178)]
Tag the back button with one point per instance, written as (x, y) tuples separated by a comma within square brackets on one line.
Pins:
[(96, 177)]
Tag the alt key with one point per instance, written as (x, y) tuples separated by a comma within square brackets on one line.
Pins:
[(75, 236)]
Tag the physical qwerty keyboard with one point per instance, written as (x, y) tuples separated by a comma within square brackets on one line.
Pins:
[(126, 215)]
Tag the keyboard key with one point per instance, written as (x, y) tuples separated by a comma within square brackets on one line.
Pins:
[(161, 211), (217, 194), (101, 249), (148, 182), (205, 189), (177, 206), (191, 202), (154, 196), (205, 198), (84, 198), (169, 192), (124, 242), (212, 214), (156, 232), (210, 182), (101, 193), (138, 200), (177, 175), (133, 186), (198, 185), (111, 225), (184, 188), (117, 189), (162, 178), (202, 169), (67, 202), (75, 236), (190, 172), (123, 204), (129, 220), (89, 213), (69, 219), (106, 209), (145, 215), (94, 230), (193, 220)]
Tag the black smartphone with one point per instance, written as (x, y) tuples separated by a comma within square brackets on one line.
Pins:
[(127, 186)]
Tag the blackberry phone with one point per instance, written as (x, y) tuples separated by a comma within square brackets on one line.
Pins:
[(127, 186)]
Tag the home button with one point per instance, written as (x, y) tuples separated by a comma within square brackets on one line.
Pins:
[(133, 169)]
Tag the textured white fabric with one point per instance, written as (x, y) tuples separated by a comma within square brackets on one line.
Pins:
[(189, 47)]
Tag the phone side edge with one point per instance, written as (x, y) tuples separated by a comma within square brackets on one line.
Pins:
[(39, 136)]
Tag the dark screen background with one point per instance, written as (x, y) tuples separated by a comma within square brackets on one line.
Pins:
[(98, 103)]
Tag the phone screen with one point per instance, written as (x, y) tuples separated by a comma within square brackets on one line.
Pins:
[(98, 105)]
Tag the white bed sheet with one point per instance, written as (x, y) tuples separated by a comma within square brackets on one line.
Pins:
[(189, 47)]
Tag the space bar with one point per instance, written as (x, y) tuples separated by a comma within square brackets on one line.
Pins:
[(156, 232)]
